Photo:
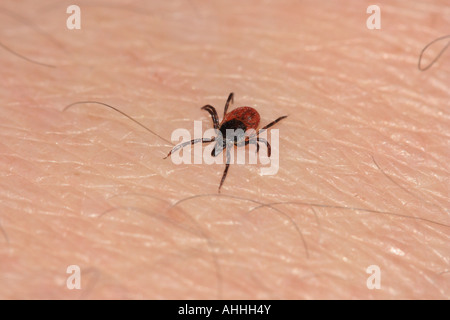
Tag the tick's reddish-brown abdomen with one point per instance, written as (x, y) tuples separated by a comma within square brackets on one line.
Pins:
[(247, 115)]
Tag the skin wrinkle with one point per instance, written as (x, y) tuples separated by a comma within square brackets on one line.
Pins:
[(348, 208), (404, 189), (325, 152), (34, 27), (25, 21), (254, 201), (117, 110), (98, 170), (24, 57), (94, 277), (30, 181), (35, 183), (4, 233), (201, 234)]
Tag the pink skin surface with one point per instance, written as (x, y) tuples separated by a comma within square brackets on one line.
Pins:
[(364, 153)]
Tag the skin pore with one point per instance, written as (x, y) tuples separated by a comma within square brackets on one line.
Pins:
[(363, 177)]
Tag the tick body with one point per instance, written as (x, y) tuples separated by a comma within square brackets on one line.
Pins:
[(233, 131), (245, 117)]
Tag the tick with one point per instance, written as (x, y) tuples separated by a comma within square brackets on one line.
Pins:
[(244, 118)]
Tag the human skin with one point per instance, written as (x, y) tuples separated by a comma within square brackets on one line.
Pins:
[(88, 187)]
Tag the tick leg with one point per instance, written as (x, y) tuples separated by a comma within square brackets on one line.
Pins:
[(269, 149), (271, 124), (182, 145), (225, 172), (214, 116), (256, 142), (230, 99), (252, 141)]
